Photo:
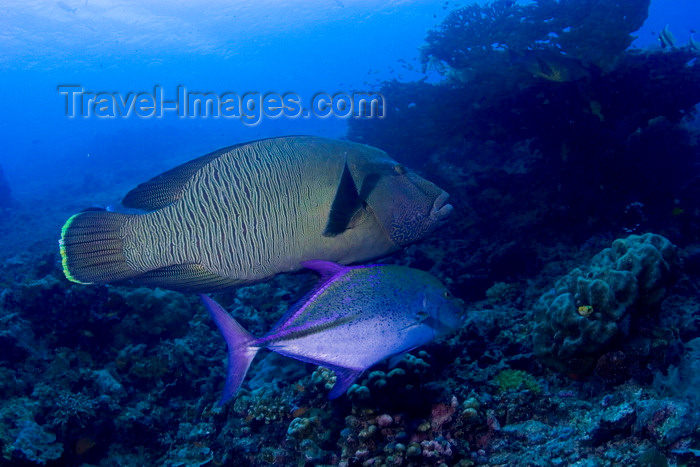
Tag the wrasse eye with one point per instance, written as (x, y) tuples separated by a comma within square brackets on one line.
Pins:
[(399, 169), (447, 294)]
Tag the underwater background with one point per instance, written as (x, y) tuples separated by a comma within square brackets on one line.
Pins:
[(566, 133)]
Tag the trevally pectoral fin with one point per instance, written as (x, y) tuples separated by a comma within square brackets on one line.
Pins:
[(396, 359)]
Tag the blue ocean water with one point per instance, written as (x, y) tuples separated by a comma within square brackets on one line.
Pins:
[(122, 47), (103, 375), (132, 47), (280, 47)]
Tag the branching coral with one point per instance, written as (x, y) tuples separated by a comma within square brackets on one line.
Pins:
[(35, 444), (592, 31)]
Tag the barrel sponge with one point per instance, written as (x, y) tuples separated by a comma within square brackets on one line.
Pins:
[(577, 320)]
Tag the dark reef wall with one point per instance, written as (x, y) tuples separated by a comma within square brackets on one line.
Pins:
[(545, 104)]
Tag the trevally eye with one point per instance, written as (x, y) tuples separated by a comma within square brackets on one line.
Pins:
[(399, 169)]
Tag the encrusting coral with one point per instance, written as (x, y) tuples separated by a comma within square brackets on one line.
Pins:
[(576, 321)]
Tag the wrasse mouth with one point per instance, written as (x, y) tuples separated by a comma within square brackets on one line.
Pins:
[(441, 208)]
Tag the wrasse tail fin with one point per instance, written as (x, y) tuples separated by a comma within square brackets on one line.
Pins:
[(91, 248)]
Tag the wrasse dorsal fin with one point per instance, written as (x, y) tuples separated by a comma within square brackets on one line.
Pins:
[(167, 187)]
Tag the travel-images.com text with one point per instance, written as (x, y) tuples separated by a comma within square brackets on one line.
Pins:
[(249, 107)]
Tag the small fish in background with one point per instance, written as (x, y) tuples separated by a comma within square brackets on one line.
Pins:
[(356, 317), (68, 8), (666, 39), (550, 65), (694, 45), (65, 7)]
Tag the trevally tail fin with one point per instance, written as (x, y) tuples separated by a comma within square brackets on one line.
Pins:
[(91, 248), (240, 352)]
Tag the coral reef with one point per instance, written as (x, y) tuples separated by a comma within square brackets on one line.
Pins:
[(590, 158), (146, 391), (35, 444), (110, 376), (589, 307), (514, 379), (489, 35)]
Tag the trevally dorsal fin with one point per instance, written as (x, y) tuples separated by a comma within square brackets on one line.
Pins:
[(346, 207), (327, 270), (167, 187)]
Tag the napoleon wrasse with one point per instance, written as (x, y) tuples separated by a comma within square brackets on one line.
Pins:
[(250, 211)]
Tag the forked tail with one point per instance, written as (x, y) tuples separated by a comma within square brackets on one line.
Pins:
[(238, 340)]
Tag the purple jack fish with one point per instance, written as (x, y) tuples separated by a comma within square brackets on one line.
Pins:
[(356, 317), (248, 212)]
